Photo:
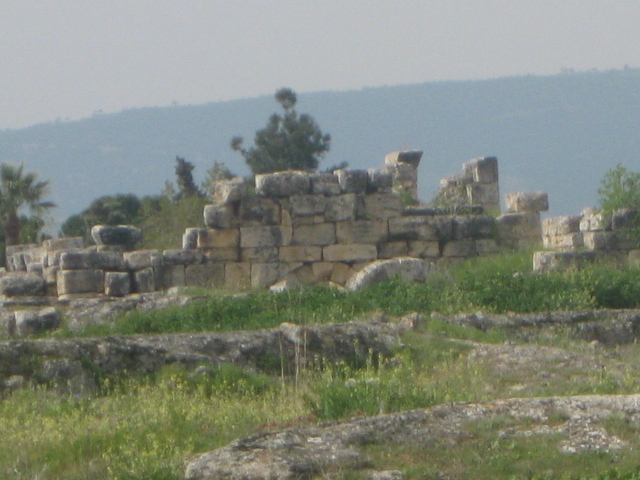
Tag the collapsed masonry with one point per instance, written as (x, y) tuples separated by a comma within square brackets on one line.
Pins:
[(294, 227)]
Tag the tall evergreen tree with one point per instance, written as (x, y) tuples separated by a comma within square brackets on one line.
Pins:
[(288, 142)]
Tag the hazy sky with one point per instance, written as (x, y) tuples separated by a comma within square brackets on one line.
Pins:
[(70, 58)]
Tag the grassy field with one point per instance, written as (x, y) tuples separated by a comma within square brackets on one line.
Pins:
[(145, 427)]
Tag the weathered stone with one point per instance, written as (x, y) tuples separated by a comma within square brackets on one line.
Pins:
[(561, 225), (520, 202), (117, 284), (406, 269), (349, 253), (322, 271), (80, 281), (218, 238), (219, 216), (413, 228), (256, 211), (341, 207), (266, 274), (599, 240), (487, 247), (35, 320), (405, 179), (361, 231), (593, 221), (89, 259), (393, 249), (482, 170), (320, 234), (474, 227), (410, 157), (144, 280), (170, 275), (459, 248), (564, 241), (190, 238), (424, 249), (70, 243), (381, 206), (300, 253), (380, 180), (20, 284), (325, 184), (486, 194), (560, 261), (221, 254), (182, 257), (125, 235), (259, 254), (265, 236), (207, 275), (353, 181), (514, 228), (341, 273), (141, 259), (237, 276), (283, 184), (308, 205), (229, 191)]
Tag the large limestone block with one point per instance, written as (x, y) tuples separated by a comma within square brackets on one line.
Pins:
[(413, 228), (220, 216), (560, 261), (259, 254), (80, 281), (341, 273), (393, 249), (90, 259), (409, 157), (362, 231), (381, 206), (561, 225), (71, 243), (406, 269), (267, 236), (380, 180), (35, 320), (141, 259), (405, 179), (117, 284), (256, 211), (218, 238), (19, 284), (481, 170), (593, 221), (170, 276), (125, 235), (487, 247), (209, 275), (325, 184), (353, 181), (283, 184), (459, 248), (599, 240), (229, 191), (300, 253), (474, 227), (308, 205), (144, 280), (182, 257), (190, 238), (537, 201), (341, 207), (266, 274), (237, 276), (322, 271), (487, 194), (563, 242), (424, 249), (320, 234), (213, 255), (349, 253), (513, 227)]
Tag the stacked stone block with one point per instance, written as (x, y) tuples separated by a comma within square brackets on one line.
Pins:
[(478, 184), (521, 226)]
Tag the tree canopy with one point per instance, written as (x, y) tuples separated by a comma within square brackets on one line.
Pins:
[(289, 141)]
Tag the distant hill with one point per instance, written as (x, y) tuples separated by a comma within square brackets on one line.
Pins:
[(555, 133)]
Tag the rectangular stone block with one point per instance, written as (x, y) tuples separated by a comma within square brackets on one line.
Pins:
[(349, 253), (237, 276), (218, 238), (267, 236), (207, 275), (141, 259), (322, 271), (487, 247), (459, 248), (89, 259), (308, 205), (471, 227), (325, 184), (353, 181), (174, 276), (483, 193), (182, 257), (341, 208), (220, 216), (283, 184), (80, 281), (381, 206), (527, 202), (599, 240), (482, 169), (380, 180), (221, 254), (117, 284), (300, 253), (592, 221), (71, 243), (259, 254), (320, 234), (312, 220), (362, 231), (561, 225), (266, 274), (256, 211), (393, 249), (413, 228), (563, 242), (424, 249), (144, 281), (560, 261), (514, 226)]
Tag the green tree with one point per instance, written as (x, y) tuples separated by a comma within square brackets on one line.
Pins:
[(620, 188), (218, 172), (288, 142), (184, 178), (18, 190)]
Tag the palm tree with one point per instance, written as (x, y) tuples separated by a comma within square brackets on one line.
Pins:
[(17, 190)]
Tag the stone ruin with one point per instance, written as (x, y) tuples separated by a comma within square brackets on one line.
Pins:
[(291, 228)]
